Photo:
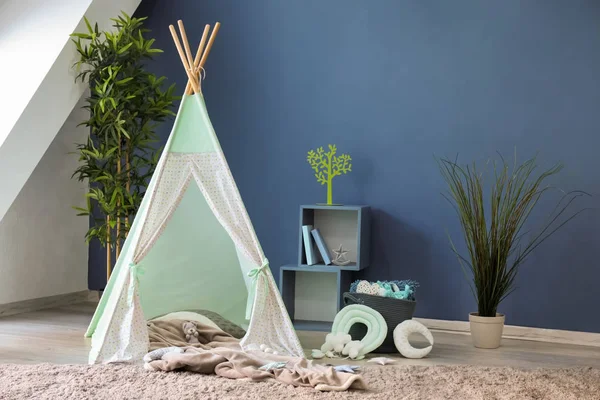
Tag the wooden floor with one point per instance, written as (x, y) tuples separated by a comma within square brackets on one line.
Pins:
[(56, 336)]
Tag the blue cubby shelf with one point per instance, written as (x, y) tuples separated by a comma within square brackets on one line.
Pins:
[(287, 287), (346, 225), (349, 226)]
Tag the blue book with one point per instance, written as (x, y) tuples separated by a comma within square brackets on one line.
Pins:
[(322, 246), (309, 249)]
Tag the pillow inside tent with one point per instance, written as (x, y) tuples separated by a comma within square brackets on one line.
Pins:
[(206, 317)]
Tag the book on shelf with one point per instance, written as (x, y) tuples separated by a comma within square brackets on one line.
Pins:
[(321, 246), (309, 249)]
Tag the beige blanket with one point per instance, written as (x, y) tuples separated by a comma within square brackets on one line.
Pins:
[(219, 353)]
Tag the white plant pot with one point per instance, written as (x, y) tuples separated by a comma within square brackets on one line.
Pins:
[(486, 332)]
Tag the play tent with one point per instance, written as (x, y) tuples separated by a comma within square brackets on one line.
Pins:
[(192, 245)]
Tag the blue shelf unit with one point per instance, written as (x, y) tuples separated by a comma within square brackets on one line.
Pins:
[(349, 226), (287, 286)]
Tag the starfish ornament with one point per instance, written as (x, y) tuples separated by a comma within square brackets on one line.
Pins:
[(340, 256), (346, 368), (382, 360)]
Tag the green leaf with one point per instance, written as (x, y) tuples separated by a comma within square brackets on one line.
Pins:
[(125, 48), (81, 35), (124, 132), (90, 153), (124, 80), (87, 24)]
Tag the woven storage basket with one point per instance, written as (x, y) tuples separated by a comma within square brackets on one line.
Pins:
[(394, 311)]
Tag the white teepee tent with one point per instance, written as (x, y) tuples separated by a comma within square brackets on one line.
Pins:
[(191, 245)]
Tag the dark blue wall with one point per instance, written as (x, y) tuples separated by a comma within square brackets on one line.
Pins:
[(393, 83)]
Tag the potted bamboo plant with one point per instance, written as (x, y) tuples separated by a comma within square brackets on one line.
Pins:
[(126, 103), (494, 233)]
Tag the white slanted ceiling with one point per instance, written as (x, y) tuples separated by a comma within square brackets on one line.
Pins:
[(36, 78)]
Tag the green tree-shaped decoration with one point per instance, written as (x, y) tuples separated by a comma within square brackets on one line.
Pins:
[(327, 166)]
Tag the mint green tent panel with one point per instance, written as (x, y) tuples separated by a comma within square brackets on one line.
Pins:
[(193, 265), (195, 133)]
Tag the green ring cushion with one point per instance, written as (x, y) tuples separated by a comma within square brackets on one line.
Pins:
[(372, 319)]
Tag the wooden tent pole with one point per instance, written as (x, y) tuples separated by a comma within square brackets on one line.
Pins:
[(191, 77), (213, 36), (188, 87), (186, 46)]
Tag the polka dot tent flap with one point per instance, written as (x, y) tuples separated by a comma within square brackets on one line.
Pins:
[(191, 241)]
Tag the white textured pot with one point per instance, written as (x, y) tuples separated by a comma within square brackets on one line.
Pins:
[(486, 332)]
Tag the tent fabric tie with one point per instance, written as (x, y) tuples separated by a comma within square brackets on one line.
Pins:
[(255, 274), (136, 271)]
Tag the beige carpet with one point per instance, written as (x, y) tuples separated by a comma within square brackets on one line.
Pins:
[(47, 381)]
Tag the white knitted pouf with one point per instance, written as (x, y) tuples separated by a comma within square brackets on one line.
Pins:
[(401, 333)]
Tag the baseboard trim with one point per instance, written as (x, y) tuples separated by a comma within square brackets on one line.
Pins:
[(520, 332), (60, 300)]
